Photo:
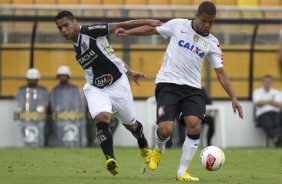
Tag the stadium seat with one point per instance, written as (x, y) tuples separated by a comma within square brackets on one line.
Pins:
[(90, 2), (252, 14), (163, 13), (184, 14), (22, 1), (272, 14), (135, 2), (38, 2), (14, 63), (139, 13), (241, 88), (269, 3), (157, 2), (197, 2), (180, 2), (47, 61), (5, 1), (93, 13), (114, 13), (225, 2), (67, 2), (247, 3), (261, 67), (13, 86), (113, 2), (145, 88)]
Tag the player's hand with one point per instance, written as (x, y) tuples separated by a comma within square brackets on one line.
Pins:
[(135, 76), (237, 108), (155, 23), (121, 32)]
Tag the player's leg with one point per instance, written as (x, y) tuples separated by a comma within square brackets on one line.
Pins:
[(100, 108), (193, 109), (122, 101), (210, 122), (137, 131), (167, 109), (189, 147)]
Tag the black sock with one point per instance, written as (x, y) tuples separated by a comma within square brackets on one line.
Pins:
[(139, 135), (105, 139)]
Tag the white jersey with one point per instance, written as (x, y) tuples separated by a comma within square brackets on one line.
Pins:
[(261, 94), (185, 52)]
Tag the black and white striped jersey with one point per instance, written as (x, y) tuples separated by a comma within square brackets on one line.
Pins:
[(95, 55)]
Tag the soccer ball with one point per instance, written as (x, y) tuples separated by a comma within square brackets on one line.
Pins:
[(212, 158)]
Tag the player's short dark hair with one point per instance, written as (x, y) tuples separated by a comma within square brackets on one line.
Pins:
[(64, 14), (207, 7)]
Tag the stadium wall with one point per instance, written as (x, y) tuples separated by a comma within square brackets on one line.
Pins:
[(230, 130)]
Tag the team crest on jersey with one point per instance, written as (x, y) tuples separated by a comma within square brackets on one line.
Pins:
[(196, 38), (84, 47), (161, 111), (103, 80)]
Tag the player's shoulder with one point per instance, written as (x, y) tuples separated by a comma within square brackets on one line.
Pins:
[(73, 86), (43, 88), (275, 90), (21, 88), (176, 21), (179, 20), (258, 90), (86, 28), (213, 39), (55, 88)]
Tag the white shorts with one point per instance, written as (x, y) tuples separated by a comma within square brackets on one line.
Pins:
[(114, 98)]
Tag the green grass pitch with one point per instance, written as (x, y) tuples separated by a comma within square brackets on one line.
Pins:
[(83, 166)]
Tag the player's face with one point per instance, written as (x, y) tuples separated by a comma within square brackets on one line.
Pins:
[(32, 82), (63, 79), (68, 28), (267, 82), (204, 22)]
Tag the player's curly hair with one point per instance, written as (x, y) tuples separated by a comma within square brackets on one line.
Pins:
[(207, 7), (63, 14)]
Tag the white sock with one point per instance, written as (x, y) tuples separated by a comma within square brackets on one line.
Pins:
[(160, 142), (189, 149)]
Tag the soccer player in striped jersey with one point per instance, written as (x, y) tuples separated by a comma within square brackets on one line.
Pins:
[(107, 88)]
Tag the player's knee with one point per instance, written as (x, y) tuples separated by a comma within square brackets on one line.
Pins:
[(103, 117), (165, 130), (194, 125), (131, 128)]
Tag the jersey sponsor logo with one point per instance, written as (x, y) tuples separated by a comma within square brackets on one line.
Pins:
[(87, 58), (103, 80), (192, 48), (97, 27)]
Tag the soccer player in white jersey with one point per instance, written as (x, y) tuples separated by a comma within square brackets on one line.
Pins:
[(179, 80), (107, 88)]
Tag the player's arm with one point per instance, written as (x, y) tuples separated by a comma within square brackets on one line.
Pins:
[(166, 30), (133, 24), (261, 103), (226, 84), (139, 31)]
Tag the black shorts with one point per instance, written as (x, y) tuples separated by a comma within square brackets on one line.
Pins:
[(173, 99)]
